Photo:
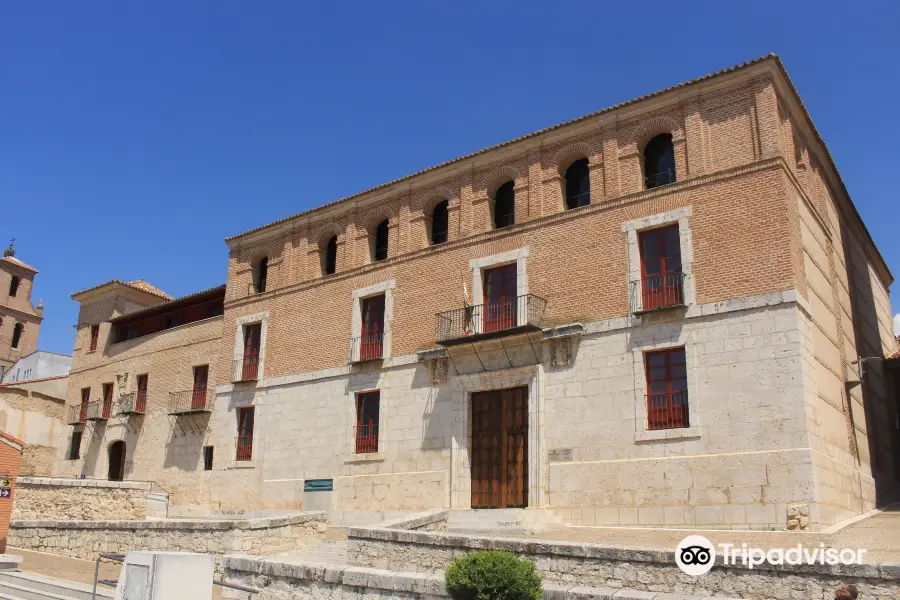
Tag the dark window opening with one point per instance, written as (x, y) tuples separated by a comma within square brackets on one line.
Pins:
[(207, 458), (659, 161), (216, 310), (17, 335), (667, 392), (260, 273), (439, 223), (578, 184), (330, 265), (368, 406), (131, 334), (95, 336), (172, 321), (381, 241), (198, 392), (505, 205), (14, 286), (245, 433), (75, 446)]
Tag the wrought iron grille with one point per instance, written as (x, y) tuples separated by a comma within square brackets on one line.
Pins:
[(245, 369), (193, 400), (134, 403), (483, 320), (366, 438), (668, 411), (657, 292), (368, 346)]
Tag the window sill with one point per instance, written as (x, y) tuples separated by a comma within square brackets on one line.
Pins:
[(243, 464), (370, 457), (667, 434)]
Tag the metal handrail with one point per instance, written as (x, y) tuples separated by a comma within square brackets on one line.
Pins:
[(245, 369), (193, 400), (659, 179), (491, 317), (657, 292), (367, 346), (132, 403)]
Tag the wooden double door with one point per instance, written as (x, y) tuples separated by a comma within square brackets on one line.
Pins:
[(500, 448)]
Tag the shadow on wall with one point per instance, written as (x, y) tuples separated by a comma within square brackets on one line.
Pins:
[(880, 410), (185, 447)]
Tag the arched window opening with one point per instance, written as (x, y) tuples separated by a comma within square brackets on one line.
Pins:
[(439, 223), (17, 335), (13, 286), (578, 184), (329, 262), (505, 205), (659, 161), (260, 274), (380, 251)]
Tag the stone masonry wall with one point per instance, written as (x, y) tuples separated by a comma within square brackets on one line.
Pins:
[(281, 581), (79, 499), (577, 564), (85, 539)]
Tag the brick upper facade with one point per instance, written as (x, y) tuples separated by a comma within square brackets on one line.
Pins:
[(783, 289)]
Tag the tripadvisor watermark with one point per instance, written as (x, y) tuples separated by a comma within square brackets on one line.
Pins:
[(696, 555)]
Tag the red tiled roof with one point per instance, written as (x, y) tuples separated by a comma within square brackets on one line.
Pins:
[(12, 438), (18, 263), (137, 284)]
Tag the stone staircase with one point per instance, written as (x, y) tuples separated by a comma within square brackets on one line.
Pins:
[(19, 585), (504, 521), (331, 552)]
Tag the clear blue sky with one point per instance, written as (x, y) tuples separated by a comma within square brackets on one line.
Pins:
[(140, 134)]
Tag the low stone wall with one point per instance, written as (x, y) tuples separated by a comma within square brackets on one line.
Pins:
[(52, 499), (577, 564), (307, 581), (431, 520), (86, 539)]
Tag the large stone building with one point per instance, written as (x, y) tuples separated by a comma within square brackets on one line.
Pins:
[(20, 321), (649, 315)]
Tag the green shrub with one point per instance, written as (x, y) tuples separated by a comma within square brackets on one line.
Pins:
[(492, 575)]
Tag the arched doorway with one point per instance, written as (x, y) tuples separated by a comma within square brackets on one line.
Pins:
[(116, 461)]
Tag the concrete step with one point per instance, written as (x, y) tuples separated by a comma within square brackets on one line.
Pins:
[(498, 521), (31, 586), (322, 551)]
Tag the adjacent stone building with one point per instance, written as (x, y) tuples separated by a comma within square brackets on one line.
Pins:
[(650, 315), (20, 321)]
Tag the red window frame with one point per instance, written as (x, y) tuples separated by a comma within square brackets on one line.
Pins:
[(85, 399), (107, 400), (500, 288), (661, 275), (371, 341), (245, 417), (667, 391), (140, 400), (198, 392), (252, 342), (95, 336), (368, 414)]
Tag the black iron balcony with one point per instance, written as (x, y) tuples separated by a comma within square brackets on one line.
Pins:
[(366, 437), (245, 369), (76, 414), (667, 411), (134, 403), (191, 401), (365, 347), (654, 180), (657, 292), (99, 410), (493, 319)]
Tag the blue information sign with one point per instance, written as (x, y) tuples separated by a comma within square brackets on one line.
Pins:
[(318, 485)]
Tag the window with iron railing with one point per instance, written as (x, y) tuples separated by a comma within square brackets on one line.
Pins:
[(107, 400), (667, 392), (578, 184), (659, 161), (244, 444), (368, 407), (505, 205), (369, 345), (246, 368), (662, 280)]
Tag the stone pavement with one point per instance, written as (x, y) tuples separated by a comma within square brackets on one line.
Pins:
[(879, 534)]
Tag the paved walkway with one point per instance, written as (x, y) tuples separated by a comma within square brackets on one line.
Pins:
[(880, 535)]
